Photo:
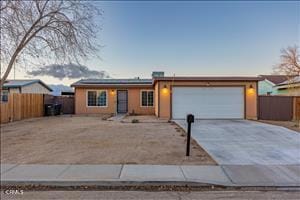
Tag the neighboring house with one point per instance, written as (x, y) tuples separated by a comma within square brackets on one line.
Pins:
[(289, 87), (59, 90), (170, 97), (24, 86), (267, 86)]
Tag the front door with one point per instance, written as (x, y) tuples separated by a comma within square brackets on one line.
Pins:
[(122, 101)]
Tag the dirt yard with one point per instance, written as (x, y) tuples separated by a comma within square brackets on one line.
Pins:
[(92, 140), (295, 126)]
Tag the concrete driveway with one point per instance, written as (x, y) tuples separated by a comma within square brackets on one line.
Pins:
[(243, 142)]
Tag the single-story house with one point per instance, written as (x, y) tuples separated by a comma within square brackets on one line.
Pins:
[(289, 87), (170, 97), (267, 86), (35, 86)]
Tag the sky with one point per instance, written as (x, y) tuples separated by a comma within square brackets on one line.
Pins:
[(192, 38)]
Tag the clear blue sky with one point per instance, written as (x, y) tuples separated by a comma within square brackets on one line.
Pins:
[(194, 38)]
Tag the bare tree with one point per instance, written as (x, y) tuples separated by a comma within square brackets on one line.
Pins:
[(290, 62), (52, 29)]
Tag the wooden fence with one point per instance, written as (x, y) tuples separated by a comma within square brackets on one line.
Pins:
[(22, 106), (281, 108)]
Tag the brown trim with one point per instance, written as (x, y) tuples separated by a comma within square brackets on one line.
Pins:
[(245, 101), (171, 101), (225, 79), (257, 103), (209, 85), (172, 78), (113, 86), (75, 101), (43, 104), (158, 103), (242, 86)]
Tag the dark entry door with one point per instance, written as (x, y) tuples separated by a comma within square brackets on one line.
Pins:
[(122, 101)]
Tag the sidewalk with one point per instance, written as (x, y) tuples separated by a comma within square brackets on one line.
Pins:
[(121, 175)]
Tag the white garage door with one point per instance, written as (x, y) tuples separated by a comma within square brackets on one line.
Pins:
[(208, 102)]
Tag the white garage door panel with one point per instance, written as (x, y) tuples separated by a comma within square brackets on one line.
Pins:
[(208, 102)]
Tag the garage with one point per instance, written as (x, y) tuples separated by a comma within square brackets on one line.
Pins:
[(208, 102)]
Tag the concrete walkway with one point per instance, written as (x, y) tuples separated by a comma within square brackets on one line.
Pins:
[(103, 175), (117, 118)]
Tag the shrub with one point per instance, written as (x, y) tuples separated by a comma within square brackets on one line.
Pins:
[(135, 121)]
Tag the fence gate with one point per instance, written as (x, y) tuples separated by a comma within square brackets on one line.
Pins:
[(68, 105), (275, 108), (67, 102)]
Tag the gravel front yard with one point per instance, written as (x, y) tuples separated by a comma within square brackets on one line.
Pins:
[(91, 140)]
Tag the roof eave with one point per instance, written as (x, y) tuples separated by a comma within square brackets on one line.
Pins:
[(225, 79), (13, 86), (270, 82), (112, 85), (30, 83), (291, 85)]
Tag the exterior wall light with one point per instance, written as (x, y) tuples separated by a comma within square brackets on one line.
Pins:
[(165, 89), (112, 92), (250, 91)]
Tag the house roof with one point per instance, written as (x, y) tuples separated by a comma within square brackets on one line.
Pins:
[(114, 82), (291, 81), (275, 79), (21, 83), (149, 82)]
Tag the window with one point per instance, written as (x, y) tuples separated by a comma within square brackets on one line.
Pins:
[(101, 98), (4, 96), (97, 98), (147, 98)]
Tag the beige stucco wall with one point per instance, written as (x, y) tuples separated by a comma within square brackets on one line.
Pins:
[(162, 98), (81, 102), (164, 110), (35, 88), (133, 102)]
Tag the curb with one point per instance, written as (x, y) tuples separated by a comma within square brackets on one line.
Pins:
[(120, 183)]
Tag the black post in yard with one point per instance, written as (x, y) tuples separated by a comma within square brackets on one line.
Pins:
[(190, 120), (188, 140)]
